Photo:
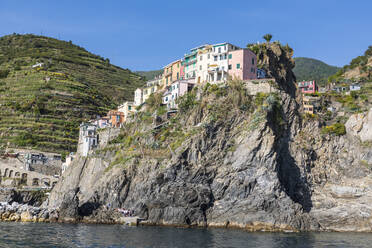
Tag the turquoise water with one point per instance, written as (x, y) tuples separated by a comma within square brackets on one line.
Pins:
[(68, 235)]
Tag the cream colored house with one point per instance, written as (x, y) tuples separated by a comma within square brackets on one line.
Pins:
[(128, 108)]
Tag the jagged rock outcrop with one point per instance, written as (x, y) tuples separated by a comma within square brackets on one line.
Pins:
[(266, 170)]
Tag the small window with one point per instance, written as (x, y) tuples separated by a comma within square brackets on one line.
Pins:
[(237, 66), (252, 61), (219, 50), (225, 56), (230, 67), (230, 56), (200, 67), (201, 58), (209, 56), (129, 107), (221, 57), (166, 99), (215, 58), (178, 75)]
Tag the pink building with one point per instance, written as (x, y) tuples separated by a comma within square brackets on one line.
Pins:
[(242, 64), (308, 87), (182, 72)]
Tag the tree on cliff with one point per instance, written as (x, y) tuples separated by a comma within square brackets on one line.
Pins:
[(268, 37)]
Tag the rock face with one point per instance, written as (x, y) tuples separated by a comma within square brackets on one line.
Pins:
[(261, 172), (360, 125)]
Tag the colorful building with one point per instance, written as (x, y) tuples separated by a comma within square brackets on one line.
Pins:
[(172, 72), (176, 90), (116, 118), (242, 64), (128, 108), (308, 87)]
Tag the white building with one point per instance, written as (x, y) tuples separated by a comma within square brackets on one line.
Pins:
[(142, 94), (127, 108), (68, 162), (88, 138), (213, 62), (176, 90)]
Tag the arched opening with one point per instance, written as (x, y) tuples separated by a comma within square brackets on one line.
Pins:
[(11, 173), (24, 179), (6, 172), (45, 182), (54, 184), (35, 182), (17, 174)]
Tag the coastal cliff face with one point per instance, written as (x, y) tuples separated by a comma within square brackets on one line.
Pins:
[(227, 159)]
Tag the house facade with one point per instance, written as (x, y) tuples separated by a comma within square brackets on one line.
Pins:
[(308, 87), (116, 118), (88, 138), (127, 108), (242, 64), (172, 72), (176, 90)]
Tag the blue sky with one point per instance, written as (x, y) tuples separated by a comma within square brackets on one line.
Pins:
[(145, 35)]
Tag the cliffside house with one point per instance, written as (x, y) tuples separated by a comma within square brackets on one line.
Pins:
[(142, 94), (88, 138), (310, 104), (355, 87), (128, 108), (116, 118), (171, 73), (308, 87), (176, 90), (68, 161), (102, 122)]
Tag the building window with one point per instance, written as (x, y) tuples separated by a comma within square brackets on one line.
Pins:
[(230, 56), (225, 56), (209, 56), (129, 107), (219, 50), (237, 66), (152, 90), (178, 75), (215, 58), (252, 61), (230, 67), (201, 58), (221, 57), (200, 67)]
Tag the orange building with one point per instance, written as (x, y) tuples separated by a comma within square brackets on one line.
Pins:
[(171, 73), (116, 118)]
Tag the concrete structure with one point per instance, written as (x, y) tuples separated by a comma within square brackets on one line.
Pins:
[(128, 109), (116, 118), (176, 90), (12, 176), (88, 138), (68, 161), (102, 122), (242, 64), (308, 87), (354, 87)]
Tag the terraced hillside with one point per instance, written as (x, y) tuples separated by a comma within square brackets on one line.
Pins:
[(41, 106)]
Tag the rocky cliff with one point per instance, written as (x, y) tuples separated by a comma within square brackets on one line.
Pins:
[(227, 159)]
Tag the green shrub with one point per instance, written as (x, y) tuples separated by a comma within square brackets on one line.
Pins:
[(335, 129), (186, 102), (4, 73)]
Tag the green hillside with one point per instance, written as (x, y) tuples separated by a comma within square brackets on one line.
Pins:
[(148, 75), (312, 69), (42, 107)]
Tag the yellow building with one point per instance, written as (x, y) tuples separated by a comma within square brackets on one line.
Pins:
[(171, 73)]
